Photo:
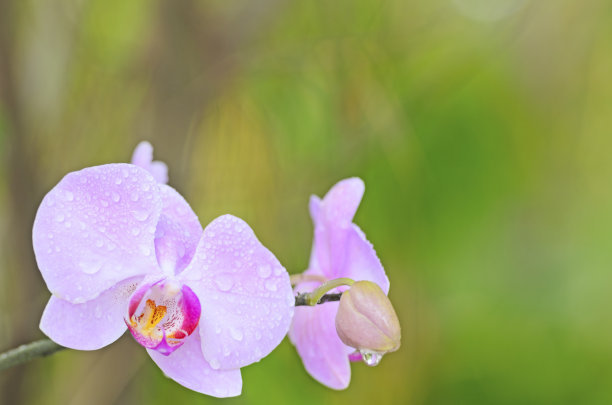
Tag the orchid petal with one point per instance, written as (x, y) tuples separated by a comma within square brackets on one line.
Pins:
[(143, 157), (91, 325), (178, 232), (95, 229), (332, 218), (246, 296), (362, 263), (188, 367), (342, 200), (325, 357)]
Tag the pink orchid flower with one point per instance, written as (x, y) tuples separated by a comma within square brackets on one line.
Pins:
[(118, 250), (340, 249)]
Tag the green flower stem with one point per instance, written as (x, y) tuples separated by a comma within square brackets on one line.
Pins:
[(314, 297), (27, 352)]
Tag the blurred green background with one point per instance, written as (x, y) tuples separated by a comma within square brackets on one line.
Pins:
[(481, 129)]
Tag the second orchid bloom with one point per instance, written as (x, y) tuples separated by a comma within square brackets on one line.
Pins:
[(118, 250), (327, 337)]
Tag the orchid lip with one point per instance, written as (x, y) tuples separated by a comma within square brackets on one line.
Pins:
[(161, 314)]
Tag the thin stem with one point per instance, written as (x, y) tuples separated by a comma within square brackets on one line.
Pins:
[(27, 352), (303, 299), (319, 292)]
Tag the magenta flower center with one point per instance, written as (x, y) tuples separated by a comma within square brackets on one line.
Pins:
[(162, 314)]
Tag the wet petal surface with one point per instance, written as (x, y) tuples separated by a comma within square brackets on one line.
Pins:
[(246, 296), (188, 367), (91, 325), (178, 232), (95, 229), (325, 357)]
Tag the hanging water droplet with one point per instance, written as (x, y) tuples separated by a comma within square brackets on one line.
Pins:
[(371, 358)]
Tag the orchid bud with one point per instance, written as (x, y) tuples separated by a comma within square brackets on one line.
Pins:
[(367, 321)]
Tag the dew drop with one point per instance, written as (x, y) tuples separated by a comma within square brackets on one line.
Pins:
[(69, 196), (140, 215), (271, 285), (236, 334), (98, 312), (224, 283), (371, 358), (145, 250), (135, 231), (59, 217), (118, 181), (90, 267), (104, 203), (214, 364), (264, 271), (115, 197)]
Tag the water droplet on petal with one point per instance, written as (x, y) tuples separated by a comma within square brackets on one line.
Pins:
[(59, 217), (98, 312), (214, 364), (271, 285), (264, 271), (223, 282), (115, 197), (135, 231), (140, 215), (134, 196), (90, 267), (69, 196), (236, 334)]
